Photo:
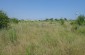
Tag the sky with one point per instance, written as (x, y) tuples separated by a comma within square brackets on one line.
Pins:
[(42, 9)]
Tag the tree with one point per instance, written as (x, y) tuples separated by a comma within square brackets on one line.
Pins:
[(4, 20)]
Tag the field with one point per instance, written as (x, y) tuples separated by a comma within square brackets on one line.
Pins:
[(42, 38)]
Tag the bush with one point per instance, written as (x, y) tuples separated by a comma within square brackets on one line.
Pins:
[(46, 19), (80, 20), (51, 19), (4, 20), (65, 19), (14, 20), (56, 19), (61, 21), (73, 22), (74, 28)]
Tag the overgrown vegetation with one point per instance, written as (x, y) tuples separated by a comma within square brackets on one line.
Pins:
[(80, 20), (44, 37), (4, 20), (14, 20), (61, 21)]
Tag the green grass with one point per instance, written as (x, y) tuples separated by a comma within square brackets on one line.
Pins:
[(42, 38)]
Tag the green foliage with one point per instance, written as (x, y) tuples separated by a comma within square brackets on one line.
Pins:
[(56, 19), (51, 19), (74, 28), (46, 19), (80, 20), (73, 23), (76, 23), (4, 20), (39, 20), (61, 21), (65, 19), (14, 20)]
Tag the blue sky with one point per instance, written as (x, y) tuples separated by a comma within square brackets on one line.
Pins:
[(41, 9)]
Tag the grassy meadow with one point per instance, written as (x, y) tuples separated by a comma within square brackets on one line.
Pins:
[(42, 38)]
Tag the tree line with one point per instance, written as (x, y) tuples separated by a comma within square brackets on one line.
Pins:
[(5, 20)]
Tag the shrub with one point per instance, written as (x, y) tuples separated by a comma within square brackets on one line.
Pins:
[(80, 20), (61, 21), (4, 20), (46, 19), (74, 25), (14, 20), (56, 19), (65, 19), (51, 19), (74, 28), (73, 22)]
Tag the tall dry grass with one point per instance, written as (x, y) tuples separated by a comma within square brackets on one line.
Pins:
[(42, 38)]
